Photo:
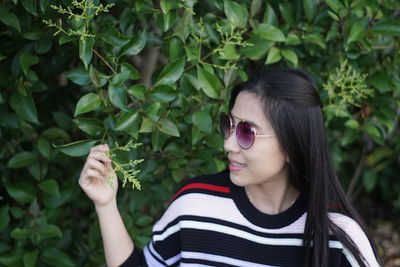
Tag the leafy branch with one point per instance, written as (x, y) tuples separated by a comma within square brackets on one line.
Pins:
[(87, 12), (346, 87), (127, 170)]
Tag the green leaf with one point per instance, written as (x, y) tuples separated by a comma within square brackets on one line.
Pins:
[(152, 111), (196, 135), (372, 131), (381, 81), (55, 133), (166, 21), (85, 49), (168, 127), (369, 180), (269, 32), (21, 192), (146, 126), (255, 7), (270, 16), (33, 34), (287, 12), (309, 9), (43, 5), (209, 83), (315, 38), (43, 146), (257, 50), (237, 14), (19, 233), (182, 30), (335, 5), (136, 45), (164, 93), (333, 15), (21, 159), (113, 37), (90, 126), (30, 6), (144, 220), (292, 39), (96, 77), (138, 91), (172, 72), (4, 217), (166, 6), (357, 32), (229, 52), (87, 103), (27, 60), (202, 120), (176, 50), (290, 55), (34, 209), (129, 123), (274, 55), (352, 124), (117, 96), (120, 78), (387, 27), (12, 258), (24, 106), (128, 68), (50, 186), (77, 149), (80, 76), (55, 257), (50, 231), (10, 19), (30, 258)]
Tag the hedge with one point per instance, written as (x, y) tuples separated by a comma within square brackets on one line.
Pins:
[(157, 74)]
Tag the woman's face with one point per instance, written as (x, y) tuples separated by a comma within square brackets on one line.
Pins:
[(264, 162)]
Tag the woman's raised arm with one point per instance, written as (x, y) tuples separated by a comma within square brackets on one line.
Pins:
[(95, 181)]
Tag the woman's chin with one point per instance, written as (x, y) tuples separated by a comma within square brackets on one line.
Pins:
[(235, 178)]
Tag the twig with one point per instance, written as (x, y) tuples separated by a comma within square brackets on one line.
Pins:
[(382, 46), (105, 61), (354, 180)]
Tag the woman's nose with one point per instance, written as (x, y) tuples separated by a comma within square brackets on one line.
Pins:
[(231, 145)]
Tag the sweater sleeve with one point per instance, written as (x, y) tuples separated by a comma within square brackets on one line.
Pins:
[(359, 238), (164, 247), (135, 259)]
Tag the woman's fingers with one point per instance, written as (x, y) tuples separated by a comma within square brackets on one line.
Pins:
[(96, 165), (102, 148), (99, 155)]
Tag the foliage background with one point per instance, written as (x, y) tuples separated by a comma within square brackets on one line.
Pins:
[(159, 73)]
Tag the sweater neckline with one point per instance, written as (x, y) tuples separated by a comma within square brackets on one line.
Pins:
[(259, 218)]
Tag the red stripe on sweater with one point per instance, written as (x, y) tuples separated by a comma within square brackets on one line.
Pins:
[(334, 207), (210, 187)]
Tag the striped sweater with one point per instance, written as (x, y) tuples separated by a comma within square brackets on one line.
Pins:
[(211, 222)]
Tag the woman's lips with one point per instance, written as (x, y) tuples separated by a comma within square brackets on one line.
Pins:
[(235, 166)]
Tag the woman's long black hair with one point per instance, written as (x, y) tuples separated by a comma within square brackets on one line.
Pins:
[(292, 104)]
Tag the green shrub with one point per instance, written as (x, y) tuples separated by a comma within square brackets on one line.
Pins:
[(159, 73)]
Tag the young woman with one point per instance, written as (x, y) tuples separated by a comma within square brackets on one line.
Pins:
[(280, 203)]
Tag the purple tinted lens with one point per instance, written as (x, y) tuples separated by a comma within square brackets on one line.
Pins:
[(245, 135), (225, 125)]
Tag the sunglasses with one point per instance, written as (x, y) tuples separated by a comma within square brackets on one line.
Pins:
[(245, 131)]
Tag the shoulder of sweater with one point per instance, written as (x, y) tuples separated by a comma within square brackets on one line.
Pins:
[(356, 234), (217, 183)]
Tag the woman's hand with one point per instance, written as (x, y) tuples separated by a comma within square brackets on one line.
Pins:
[(98, 179)]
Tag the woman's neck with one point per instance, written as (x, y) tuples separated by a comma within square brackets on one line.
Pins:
[(272, 198)]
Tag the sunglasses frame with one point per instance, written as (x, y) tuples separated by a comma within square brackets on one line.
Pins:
[(233, 127)]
